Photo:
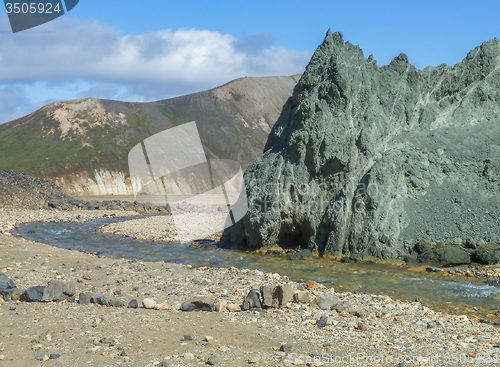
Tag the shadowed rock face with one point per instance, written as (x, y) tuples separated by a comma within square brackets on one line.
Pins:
[(367, 160)]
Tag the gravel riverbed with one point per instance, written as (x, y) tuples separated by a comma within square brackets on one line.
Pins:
[(315, 328)]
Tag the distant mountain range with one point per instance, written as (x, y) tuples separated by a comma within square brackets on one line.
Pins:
[(83, 144)]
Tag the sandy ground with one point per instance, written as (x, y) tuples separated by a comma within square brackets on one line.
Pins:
[(378, 327)]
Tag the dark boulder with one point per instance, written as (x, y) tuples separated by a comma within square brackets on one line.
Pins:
[(446, 255), (487, 254)]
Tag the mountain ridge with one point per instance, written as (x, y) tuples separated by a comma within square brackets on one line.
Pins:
[(83, 144)]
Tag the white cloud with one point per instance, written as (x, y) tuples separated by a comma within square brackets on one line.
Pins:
[(67, 52)]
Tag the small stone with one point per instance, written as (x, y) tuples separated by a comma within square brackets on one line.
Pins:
[(163, 306), (212, 360), (188, 356), (54, 356), (344, 306), (311, 284), (12, 307), (325, 301), (252, 300), (99, 299), (84, 298), (33, 294), (220, 306), (254, 358), (69, 289), (148, 303), (360, 326), (133, 304), (198, 304), (6, 283), (53, 292), (40, 356), (302, 297), (13, 294), (283, 294), (189, 337), (322, 321), (116, 302), (164, 364), (233, 307), (208, 338), (267, 293), (124, 353), (286, 348)]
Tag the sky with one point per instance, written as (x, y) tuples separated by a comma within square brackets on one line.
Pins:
[(150, 50)]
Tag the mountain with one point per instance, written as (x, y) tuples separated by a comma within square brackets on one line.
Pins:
[(83, 145), (390, 161)]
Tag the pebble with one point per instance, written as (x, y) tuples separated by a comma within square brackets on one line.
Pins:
[(286, 348), (212, 360), (40, 356), (133, 304), (163, 306), (148, 303)]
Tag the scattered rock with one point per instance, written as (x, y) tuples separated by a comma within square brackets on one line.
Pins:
[(6, 283), (40, 356), (302, 297), (198, 304), (322, 321), (268, 299), (84, 298), (116, 302), (33, 294), (286, 348), (344, 306), (212, 360), (148, 303), (252, 300), (133, 304), (326, 301), (99, 299), (163, 306), (13, 294), (189, 337), (254, 358), (233, 307), (311, 284), (221, 305), (53, 291)]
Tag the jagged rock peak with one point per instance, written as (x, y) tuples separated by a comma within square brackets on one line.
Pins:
[(368, 160)]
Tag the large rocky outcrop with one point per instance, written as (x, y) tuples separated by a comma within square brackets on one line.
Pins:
[(368, 160)]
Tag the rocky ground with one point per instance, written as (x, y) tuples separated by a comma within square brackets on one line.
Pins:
[(317, 326)]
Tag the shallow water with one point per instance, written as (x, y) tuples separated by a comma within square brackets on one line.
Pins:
[(457, 294)]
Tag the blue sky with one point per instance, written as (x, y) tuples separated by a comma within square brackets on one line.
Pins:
[(150, 50)]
